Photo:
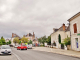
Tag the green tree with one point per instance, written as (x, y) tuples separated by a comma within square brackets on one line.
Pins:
[(19, 41), (59, 38), (30, 42), (43, 39), (40, 40), (9, 41), (16, 40), (67, 41), (3, 41), (0, 42), (49, 39), (24, 40)]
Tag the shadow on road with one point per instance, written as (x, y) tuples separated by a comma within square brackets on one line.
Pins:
[(5, 55)]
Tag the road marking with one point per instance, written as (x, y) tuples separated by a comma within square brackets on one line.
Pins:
[(17, 56), (51, 49)]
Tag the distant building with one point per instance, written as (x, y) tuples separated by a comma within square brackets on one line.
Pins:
[(75, 31), (7, 40), (30, 36), (63, 31), (12, 38)]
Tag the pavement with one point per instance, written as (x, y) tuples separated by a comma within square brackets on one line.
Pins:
[(32, 54), (58, 51)]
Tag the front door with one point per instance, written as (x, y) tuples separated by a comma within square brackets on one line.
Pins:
[(77, 44)]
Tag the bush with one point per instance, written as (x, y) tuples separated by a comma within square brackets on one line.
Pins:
[(67, 41)]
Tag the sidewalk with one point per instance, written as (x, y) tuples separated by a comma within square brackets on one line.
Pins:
[(59, 51)]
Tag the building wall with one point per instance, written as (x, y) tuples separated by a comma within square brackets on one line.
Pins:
[(74, 35), (29, 38), (54, 37)]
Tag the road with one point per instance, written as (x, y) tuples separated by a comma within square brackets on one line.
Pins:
[(39, 55)]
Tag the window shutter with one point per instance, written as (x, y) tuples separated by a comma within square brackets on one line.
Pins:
[(75, 28)]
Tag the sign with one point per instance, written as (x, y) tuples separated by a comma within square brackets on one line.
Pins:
[(78, 34)]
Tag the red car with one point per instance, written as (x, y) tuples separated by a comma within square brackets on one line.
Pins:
[(21, 47)]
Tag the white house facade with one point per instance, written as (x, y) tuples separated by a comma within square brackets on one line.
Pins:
[(63, 31), (75, 31)]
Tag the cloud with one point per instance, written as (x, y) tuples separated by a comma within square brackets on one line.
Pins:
[(40, 16)]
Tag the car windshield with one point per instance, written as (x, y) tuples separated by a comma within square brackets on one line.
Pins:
[(5, 47), (23, 45)]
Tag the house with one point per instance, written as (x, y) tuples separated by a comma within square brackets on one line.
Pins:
[(30, 36), (75, 31), (63, 32), (12, 38), (7, 40), (35, 41)]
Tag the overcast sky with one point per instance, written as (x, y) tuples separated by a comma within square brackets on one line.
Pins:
[(40, 16)]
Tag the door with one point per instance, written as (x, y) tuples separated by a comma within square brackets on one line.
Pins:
[(77, 44)]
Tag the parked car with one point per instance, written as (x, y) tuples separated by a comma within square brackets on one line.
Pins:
[(20, 47), (11, 45), (5, 49), (29, 46)]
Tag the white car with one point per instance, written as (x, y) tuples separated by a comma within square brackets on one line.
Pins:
[(5, 49), (29, 46)]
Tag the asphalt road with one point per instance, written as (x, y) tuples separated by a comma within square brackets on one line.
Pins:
[(39, 55)]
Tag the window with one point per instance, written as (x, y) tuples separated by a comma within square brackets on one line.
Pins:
[(75, 28)]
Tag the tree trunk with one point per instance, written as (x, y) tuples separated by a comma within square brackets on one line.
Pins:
[(15, 44)]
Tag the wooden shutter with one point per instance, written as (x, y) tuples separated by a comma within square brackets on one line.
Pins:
[(75, 28)]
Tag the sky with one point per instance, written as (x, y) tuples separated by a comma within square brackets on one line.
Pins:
[(38, 16)]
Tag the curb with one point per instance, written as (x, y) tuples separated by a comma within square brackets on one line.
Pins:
[(66, 54)]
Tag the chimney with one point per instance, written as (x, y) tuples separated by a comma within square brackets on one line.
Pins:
[(33, 33), (12, 34), (64, 28)]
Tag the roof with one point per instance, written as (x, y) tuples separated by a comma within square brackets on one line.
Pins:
[(15, 35), (68, 28), (73, 17), (61, 29)]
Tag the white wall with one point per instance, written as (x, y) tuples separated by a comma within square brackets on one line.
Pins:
[(74, 35)]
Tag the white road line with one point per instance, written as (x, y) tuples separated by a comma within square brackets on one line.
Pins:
[(17, 56), (51, 49)]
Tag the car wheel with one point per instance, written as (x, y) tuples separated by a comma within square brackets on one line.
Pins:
[(20, 49), (17, 49), (10, 54), (26, 49)]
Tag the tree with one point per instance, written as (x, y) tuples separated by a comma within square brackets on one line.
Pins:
[(43, 39), (30, 42), (59, 38), (67, 41), (19, 41), (16, 40), (49, 40), (40, 40), (3, 41), (9, 41), (0, 42), (24, 40)]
